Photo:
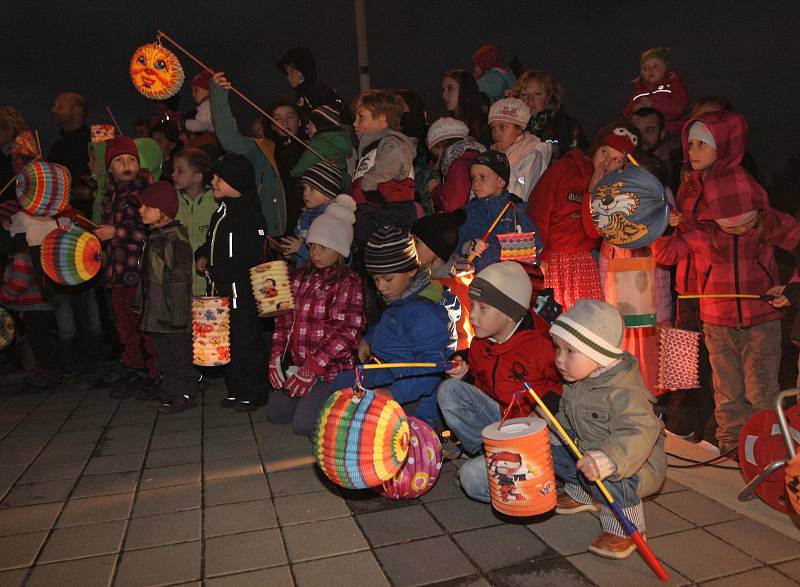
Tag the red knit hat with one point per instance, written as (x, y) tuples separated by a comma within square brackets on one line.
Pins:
[(486, 57), (161, 195), (120, 146), (202, 80), (622, 140)]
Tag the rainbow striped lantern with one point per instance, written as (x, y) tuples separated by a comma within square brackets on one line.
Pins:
[(421, 470), (43, 188), (361, 438), (71, 257), (7, 329), (518, 246)]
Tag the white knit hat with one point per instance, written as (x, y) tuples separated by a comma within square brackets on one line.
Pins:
[(511, 110), (446, 128), (334, 227), (505, 286), (594, 328)]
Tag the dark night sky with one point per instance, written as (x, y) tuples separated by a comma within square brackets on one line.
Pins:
[(747, 51)]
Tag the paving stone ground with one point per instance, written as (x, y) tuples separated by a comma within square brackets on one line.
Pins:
[(95, 491)]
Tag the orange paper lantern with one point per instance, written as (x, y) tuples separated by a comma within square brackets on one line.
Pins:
[(156, 72)]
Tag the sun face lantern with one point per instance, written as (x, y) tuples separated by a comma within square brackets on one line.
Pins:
[(156, 72)]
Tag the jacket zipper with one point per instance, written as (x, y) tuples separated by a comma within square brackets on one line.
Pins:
[(736, 277), (494, 372), (214, 233), (705, 278)]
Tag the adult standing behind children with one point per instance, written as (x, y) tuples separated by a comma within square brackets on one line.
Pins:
[(233, 245)]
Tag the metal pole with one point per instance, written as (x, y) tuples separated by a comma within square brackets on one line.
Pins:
[(361, 41)]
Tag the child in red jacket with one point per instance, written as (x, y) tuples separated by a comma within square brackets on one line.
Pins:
[(560, 208), (659, 87), (732, 238), (511, 344)]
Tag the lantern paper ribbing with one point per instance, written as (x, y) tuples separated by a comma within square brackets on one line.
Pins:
[(156, 72), (361, 440), (421, 470), (272, 288), (71, 257), (211, 320), (43, 188)]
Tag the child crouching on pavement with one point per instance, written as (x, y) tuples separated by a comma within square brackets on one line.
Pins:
[(608, 411)]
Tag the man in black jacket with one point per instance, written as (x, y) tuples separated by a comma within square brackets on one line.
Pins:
[(72, 149)]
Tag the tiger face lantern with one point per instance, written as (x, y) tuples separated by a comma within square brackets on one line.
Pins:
[(156, 72)]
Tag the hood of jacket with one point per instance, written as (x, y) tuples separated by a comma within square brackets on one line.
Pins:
[(524, 144), (303, 61)]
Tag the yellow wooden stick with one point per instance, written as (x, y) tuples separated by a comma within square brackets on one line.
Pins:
[(398, 365), (633, 160), (492, 227)]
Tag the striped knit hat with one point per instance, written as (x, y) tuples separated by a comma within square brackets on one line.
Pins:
[(390, 250), (592, 327), (325, 177), (326, 118)]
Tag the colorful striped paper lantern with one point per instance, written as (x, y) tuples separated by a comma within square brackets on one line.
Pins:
[(421, 470), (71, 257), (361, 439), (43, 188), (518, 246)]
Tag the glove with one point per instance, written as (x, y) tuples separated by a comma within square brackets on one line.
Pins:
[(604, 465), (299, 384), (276, 376)]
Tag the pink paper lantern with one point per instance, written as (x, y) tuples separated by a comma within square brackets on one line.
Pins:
[(421, 470)]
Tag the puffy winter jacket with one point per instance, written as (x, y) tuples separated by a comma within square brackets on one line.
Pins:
[(386, 166), (670, 98), (333, 145)]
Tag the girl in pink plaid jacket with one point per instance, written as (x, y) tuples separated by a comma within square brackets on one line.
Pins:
[(317, 340)]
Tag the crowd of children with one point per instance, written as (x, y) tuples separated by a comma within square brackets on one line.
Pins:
[(376, 278)]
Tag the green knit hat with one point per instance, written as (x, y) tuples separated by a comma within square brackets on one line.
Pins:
[(662, 53)]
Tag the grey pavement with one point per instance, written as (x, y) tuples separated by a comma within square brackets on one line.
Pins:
[(95, 491)]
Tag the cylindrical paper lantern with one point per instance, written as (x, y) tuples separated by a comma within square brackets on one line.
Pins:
[(211, 323), (272, 288)]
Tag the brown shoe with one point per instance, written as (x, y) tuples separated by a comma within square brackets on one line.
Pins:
[(565, 505), (177, 405), (612, 546)]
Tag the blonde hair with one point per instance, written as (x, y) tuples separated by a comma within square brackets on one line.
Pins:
[(11, 119), (553, 89), (379, 102)]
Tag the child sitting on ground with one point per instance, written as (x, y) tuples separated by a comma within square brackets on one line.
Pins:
[(436, 237), (490, 174), (659, 87), (191, 173), (608, 412), (317, 340), (328, 138), (453, 150), (164, 296), (321, 183), (527, 155), (511, 344), (415, 327)]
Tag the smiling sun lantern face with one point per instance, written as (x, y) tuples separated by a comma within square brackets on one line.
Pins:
[(156, 72)]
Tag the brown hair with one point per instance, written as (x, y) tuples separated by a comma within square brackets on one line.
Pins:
[(553, 89), (11, 119), (379, 102), (197, 160), (341, 268)]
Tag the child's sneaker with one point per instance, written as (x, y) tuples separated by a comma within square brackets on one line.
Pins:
[(565, 505), (612, 546)]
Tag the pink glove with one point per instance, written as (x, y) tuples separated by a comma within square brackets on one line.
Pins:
[(276, 376), (299, 384)]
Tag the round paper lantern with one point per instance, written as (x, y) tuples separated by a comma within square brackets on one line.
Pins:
[(629, 208), (7, 329), (420, 472), (43, 188), (71, 257), (761, 443), (361, 438), (156, 72)]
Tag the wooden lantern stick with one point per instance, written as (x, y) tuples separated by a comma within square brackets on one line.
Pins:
[(114, 120), (161, 34), (497, 220)]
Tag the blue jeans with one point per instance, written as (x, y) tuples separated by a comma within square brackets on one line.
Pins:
[(624, 491), (467, 411), (74, 309)]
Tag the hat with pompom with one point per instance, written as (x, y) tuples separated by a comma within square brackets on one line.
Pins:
[(334, 227)]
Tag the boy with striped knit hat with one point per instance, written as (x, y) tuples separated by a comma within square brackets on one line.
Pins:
[(608, 411)]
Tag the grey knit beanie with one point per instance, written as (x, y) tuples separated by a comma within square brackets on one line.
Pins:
[(594, 328)]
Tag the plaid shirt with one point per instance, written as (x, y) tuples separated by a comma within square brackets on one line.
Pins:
[(326, 323), (727, 264)]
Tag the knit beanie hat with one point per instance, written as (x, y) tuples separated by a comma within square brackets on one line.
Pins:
[(662, 53), (237, 171), (511, 110), (439, 232), (202, 80), (446, 128), (390, 250), (325, 177), (120, 146), (161, 195), (505, 286), (700, 132), (334, 227), (326, 118), (592, 327), (496, 161), (486, 57), (622, 140)]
